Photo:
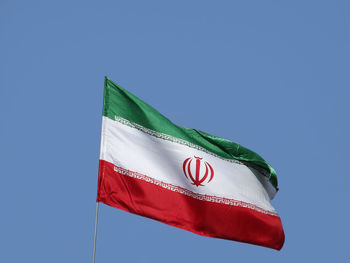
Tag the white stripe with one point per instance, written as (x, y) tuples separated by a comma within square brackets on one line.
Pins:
[(271, 190), (162, 160)]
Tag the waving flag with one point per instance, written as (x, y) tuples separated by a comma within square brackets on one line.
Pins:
[(183, 177)]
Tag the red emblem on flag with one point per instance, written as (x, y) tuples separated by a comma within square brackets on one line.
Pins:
[(200, 175)]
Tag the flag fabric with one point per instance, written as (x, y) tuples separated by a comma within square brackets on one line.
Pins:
[(183, 177)]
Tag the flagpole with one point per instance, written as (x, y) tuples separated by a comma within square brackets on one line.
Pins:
[(97, 203), (95, 234)]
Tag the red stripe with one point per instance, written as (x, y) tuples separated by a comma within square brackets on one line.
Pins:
[(201, 217)]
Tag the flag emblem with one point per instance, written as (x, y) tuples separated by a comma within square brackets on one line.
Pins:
[(199, 172)]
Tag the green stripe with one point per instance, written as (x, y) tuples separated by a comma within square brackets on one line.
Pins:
[(119, 102)]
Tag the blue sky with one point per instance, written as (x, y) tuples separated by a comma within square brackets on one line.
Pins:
[(270, 75)]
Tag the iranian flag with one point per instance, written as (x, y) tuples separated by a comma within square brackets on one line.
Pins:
[(183, 177)]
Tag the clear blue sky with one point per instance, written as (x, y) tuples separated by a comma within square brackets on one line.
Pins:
[(270, 75)]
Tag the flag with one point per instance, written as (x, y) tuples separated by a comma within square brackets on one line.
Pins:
[(183, 177)]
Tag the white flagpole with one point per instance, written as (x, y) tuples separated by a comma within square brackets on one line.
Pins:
[(96, 217), (95, 235)]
